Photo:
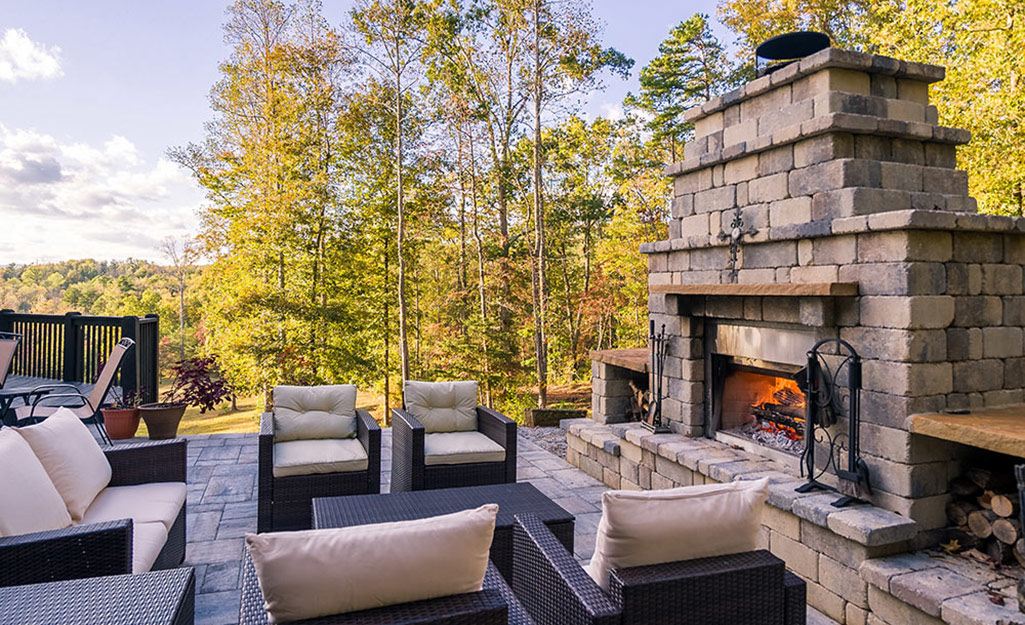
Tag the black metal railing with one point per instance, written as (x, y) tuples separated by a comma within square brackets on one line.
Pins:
[(73, 347)]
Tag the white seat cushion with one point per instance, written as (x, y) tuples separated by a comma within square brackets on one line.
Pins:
[(29, 502), (71, 457), (652, 527), (442, 406), (314, 412), (143, 503), (339, 455), (147, 541), (461, 448), (316, 573)]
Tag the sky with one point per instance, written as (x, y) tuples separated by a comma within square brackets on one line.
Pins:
[(92, 94)]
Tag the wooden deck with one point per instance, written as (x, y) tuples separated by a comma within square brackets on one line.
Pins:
[(21, 381), (997, 429)]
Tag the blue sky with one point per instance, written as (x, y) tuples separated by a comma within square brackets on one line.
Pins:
[(93, 93)]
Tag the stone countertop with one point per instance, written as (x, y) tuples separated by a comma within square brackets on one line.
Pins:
[(637, 359), (997, 429), (864, 524)]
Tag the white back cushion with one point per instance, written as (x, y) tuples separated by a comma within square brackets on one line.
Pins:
[(322, 572), (29, 502), (314, 412), (442, 406), (651, 527), (72, 458)]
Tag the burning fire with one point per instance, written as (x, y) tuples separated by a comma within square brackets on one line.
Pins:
[(779, 413)]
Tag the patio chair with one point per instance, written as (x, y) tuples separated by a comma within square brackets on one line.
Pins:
[(102, 548), (315, 443), (8, 346), (85, 407), (443, 439), (753, 587)]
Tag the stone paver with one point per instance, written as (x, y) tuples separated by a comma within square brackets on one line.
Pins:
[(222, 508)]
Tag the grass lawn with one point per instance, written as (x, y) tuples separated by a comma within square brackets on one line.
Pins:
[(223, 419)]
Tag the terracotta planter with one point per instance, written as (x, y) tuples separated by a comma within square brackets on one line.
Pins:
[(162, 419), (121, 423)]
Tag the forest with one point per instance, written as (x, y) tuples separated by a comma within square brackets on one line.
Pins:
[(416, 193)]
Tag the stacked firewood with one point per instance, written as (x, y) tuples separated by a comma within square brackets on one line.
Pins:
[(985, 511)]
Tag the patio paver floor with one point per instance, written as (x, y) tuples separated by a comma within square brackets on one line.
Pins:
[(222, 508)]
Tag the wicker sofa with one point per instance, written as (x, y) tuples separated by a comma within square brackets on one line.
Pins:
[(416, 467), (285, 501), (495, 604), (94, 549), (752, 588)]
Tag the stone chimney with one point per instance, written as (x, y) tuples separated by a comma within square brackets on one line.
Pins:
[(825, 198)]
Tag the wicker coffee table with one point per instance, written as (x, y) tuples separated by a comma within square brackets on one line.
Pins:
[(158, 598), (512, 499)]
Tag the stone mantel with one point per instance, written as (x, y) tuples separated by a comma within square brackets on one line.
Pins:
[(810, 289)]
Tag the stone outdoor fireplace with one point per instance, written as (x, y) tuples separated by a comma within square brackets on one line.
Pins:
[(822, 201)]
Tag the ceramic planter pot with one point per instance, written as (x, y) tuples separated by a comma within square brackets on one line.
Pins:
[(162, 419), (121, 423)]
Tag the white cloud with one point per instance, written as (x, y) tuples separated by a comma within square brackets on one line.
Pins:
[(23, 59), (64, 200)]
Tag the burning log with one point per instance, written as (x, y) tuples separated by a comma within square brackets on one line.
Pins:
[(785, 416)]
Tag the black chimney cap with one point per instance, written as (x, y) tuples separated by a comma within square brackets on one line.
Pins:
[(794, 45)]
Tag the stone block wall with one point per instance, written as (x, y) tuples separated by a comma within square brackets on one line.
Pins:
[(611, 395), (840, 174)]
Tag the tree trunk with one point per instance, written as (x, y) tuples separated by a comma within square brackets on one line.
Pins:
[(481, 290), (400, 208), (540, 286)]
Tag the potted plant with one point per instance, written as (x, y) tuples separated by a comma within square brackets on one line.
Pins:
[(197, 382), (121, 417)]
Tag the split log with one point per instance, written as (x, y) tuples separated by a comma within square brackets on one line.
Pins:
[(985, 500), (999, 552), (1007, 531), (1005, 505), (964, 488), (958, 511), (1019, 551), (999, 481), (980, 523)]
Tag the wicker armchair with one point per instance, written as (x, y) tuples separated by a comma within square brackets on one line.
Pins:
[(286, 503), (495, 604), (752, 588), (412, 468), (100, 548)]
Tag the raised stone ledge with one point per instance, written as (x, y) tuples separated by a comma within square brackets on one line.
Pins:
[(824, 59), (830, 123), (954, 589), (911, 219), (866, 525)]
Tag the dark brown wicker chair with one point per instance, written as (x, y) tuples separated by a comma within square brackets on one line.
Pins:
[(752, 588), (100, 548), (409, 472), (286, 503), (495, 604)]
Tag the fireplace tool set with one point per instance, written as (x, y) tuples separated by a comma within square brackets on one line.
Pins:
[(825, 405), (658, 343)]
